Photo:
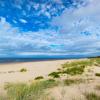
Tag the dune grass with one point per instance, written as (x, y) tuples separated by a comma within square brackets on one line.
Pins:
[(23, 70), (97, 74), (78, 63), (72, 68), (97, 87), (96, 60), (39, 77), (91, 96), (54, 75), (78, 67), (72, 81), (3, 97), (34, 91)]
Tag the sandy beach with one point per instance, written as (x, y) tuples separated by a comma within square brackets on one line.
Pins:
[(11, 72)]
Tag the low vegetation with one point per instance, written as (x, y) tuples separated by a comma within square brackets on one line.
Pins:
[(92, 96), (54, 75), (3, 97), (72, 81), (97, 74), (75, 67), (96, 60), (78, 63), (74, 70), (97, 87), (34, 91), (39, 77), (23, 70)]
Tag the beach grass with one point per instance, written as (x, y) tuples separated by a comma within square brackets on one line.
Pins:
[(54, 75), (72, 81), (92, 96), (23, 70), (97, 74), (39, 77), (87, 62), (96, 60), (97, 87), (34, 91), (72, 68)]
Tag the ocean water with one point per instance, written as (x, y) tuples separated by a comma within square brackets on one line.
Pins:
[(36, 58)]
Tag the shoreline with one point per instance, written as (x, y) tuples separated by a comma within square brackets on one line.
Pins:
[(22, 60)]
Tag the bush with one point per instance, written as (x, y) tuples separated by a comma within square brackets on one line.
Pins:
[(54, 74), (23, 70), (97, 74), (51, 80), (72, 81), (39, 77), (74, 70)]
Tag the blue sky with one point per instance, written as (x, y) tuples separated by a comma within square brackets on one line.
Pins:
[(49, 27)]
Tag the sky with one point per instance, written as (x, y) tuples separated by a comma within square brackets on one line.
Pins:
[(49, 27)]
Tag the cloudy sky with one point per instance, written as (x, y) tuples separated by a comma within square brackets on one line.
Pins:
[(49, 27)]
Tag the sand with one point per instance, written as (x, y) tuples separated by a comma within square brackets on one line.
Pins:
[(11, 72)]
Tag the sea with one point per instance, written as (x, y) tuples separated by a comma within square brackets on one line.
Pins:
[(37, 58)]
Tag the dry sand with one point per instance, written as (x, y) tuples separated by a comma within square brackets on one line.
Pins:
[(11, 72)]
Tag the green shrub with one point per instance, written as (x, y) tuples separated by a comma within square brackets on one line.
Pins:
[(74, 70), (51, 80), (76, 67), (78, 63), (39, 77), (23, 70), (97, 74), (54, 74), (59, 69), (73, 81)]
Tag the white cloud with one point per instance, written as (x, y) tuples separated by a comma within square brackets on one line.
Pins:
[(48, 14), (23, 20), (73, 23), (81, 19), (13, 41)]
